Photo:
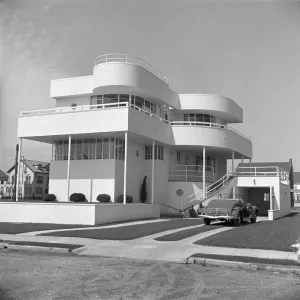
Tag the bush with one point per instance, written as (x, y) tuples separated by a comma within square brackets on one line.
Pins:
[(120, 199), (144, 191), (50, 197), (103, 198), (77, 197)]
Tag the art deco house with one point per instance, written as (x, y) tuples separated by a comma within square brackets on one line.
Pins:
[(111, 129)]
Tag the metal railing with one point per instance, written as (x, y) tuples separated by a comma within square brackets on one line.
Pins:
[(208, 124), (191, 173), (129, 59), (263, 171), (75, 109), (198, 197)]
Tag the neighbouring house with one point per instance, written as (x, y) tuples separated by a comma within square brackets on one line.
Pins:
[(33, 180), (297, 187), (112, 128)]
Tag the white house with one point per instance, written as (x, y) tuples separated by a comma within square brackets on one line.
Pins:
[(111, 129)]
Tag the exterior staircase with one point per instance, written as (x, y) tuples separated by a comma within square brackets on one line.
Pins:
[(222, 187)]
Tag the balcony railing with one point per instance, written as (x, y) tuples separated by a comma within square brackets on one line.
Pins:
[(263, 171), (76, 109), (191, 173), (129, 59), (208, 124)]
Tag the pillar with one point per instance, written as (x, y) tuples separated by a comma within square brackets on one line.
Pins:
[(232, 162), (18, 172), (203, 172), (68, 171), (125, 167), (271, 198), (153, 163)]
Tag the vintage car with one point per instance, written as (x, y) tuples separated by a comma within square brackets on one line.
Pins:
[(229, 210)]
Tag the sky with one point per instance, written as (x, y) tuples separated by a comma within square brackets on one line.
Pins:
[(246, 50)]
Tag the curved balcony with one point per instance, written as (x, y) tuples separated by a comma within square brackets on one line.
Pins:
[(129, 59), (211, 135), (125, 73), (222, 107)]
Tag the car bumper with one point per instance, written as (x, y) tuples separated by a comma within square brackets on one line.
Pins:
[(225, 217)]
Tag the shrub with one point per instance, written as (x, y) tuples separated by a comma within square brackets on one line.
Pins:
[(120, 199), (77, 197), (50, 197), (103, 198), (144, 191)]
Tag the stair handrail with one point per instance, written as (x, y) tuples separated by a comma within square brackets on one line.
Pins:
[(220, 182)]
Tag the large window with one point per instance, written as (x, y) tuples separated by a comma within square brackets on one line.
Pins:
[(203, 118), (106, 148), (136, 101), (158, 151)]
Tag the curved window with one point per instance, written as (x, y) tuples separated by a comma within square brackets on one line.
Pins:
[(137, 102), (205, 119)]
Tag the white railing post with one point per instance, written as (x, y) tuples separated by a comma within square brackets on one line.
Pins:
[(254, 171), (186, 176)]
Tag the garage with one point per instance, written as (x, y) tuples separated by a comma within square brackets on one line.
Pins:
[(258, 196)]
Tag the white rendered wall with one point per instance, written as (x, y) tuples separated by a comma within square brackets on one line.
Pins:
[(150, 127), (71, 86), (90, 177), (175, 201), (211, 137), (285, 200), (69, 213), (222, 107), (72, 213), (78, 122), (108, 213)]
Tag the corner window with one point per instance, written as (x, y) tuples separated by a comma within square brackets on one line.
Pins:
[(158, 152)]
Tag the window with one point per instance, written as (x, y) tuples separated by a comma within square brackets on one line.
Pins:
[(148, 152), (178, 157), (158, 152), (2, 181), (78, 150), (201, 118), (105, 153), (85, 149), (39, 179), (99, 149)]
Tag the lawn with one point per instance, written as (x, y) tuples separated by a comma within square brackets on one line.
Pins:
[(128, 232), (15, 228), (177, 236), (270, 235)]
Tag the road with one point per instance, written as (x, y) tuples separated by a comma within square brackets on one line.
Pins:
[(40, 275)]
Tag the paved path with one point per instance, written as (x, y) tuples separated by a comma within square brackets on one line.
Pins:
[(148, 248)]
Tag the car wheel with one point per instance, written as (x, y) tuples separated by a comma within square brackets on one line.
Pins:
[(206, 221), (253, 220), (237, 222)]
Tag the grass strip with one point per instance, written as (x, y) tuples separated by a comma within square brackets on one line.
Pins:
[(41, 244), (183, 234), (128, 232), (247, 259)]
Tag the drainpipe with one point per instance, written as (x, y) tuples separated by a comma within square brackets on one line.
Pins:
[(153, 161), (203, 173), (125, 167), (68, 174)]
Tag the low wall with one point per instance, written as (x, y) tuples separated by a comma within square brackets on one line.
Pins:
[(108, 213), (72, 213)]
